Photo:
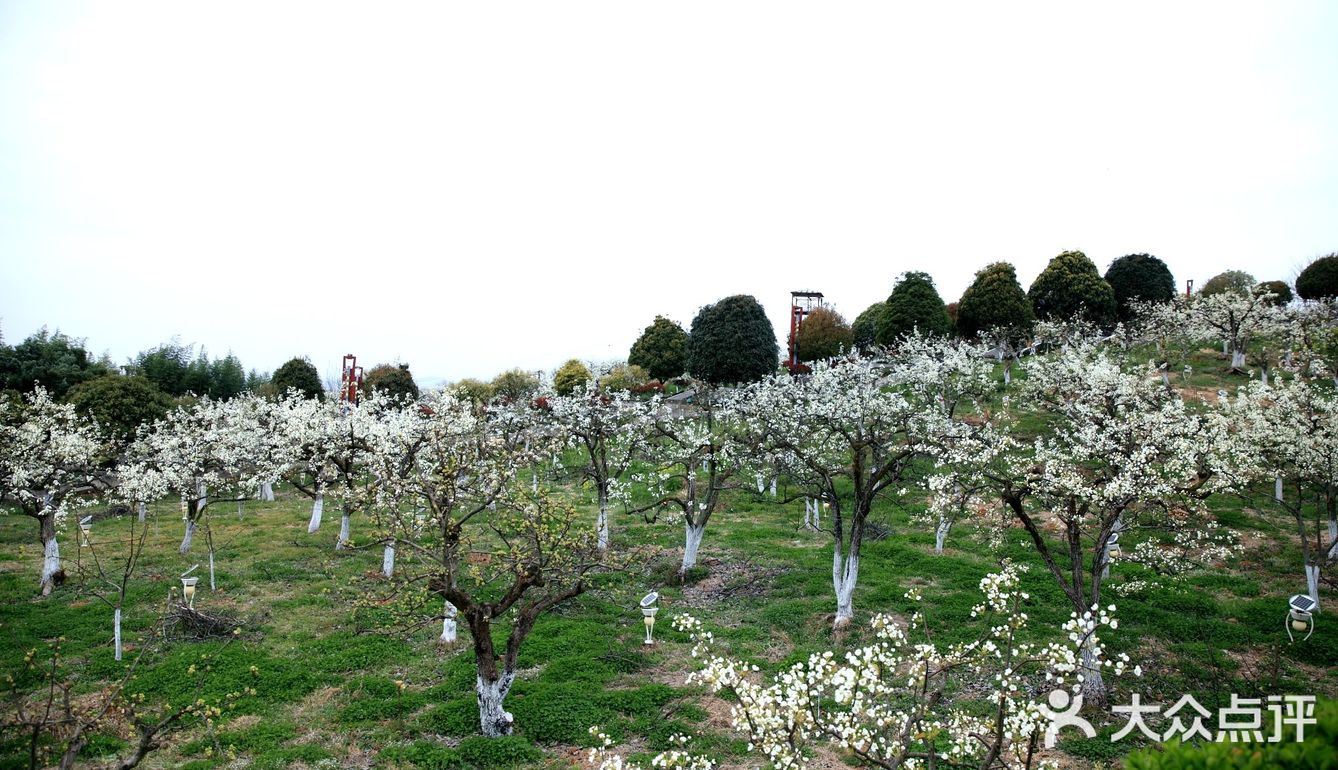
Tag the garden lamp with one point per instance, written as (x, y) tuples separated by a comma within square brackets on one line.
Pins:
[(1113, 551), (1300, 616), (85, 527), (188, 587), (648, 610)]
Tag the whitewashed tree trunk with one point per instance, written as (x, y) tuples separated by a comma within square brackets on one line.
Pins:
[(143, 510), (493, 719), (1008, 373), (1287, 359), (202, 492), (1333, 529), (534, 481), (845, 573), (692, 540), (1165, 377), (50, 548), (317, 510), (267, 492), (941, 533), (388, 561), (1263, 377), (241, 510), (1226, 346), (212, 585), (1277, 488), (345, 525), (1093, 685), (1238, 360), (116, 638), (189, 536), (773, 485), (1312, 583), (448, 624), (602, 524), (761, 483)]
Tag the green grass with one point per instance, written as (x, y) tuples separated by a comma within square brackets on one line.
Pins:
[(325, 688)]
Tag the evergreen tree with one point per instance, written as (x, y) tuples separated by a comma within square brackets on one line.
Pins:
[(297, 374), (1319, 280), (1139, 278), (824, 334), (1070, 288), (661, 349), (732, 341), (995, 301), (914, 304)]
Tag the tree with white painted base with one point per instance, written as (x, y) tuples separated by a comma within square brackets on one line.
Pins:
[(51, 458), (448, 490), (1294, 435), (1123, 453), (848, 434), (1236, 318), (610, 430), (328, 441)]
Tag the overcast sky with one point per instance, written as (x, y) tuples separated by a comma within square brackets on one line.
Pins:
[(468, 187)]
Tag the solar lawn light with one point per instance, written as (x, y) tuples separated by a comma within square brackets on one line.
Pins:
[(1113, 547), (188, 587), (85, 527), (1300, 616), (648, 610)]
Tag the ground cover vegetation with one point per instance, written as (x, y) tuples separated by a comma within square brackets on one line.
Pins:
[(889, 560)]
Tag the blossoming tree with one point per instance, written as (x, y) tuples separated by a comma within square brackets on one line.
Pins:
[(1122, 453), (328, 441), (610, 430), (446, 488), (847, 435), (50, 458), (890, 702)]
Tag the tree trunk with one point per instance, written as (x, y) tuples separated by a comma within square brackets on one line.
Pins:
[(190, 535), (388, 561), (493, 719), (143, 510), (692, 540), (1277, 488), (116, 638), (212, 586), (602, 524), (50, 552), (844, 575), (317, 510), (941, 533), (1115, 530), (267, 492), (1008, 372), (1312, 584), (345, 523), (773, 486), (761, 483), (241, 510), (1333, 528), (1238, 360), (448, 624), (1093, 685)]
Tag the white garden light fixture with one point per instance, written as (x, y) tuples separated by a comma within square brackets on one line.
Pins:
[(1300, 618), (1113, 551), (648, 610), (188, 587), (85, 527)]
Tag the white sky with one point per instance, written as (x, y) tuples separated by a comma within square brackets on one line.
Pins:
[(473, 186)]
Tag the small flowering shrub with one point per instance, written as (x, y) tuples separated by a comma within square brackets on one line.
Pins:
[(889, 704)]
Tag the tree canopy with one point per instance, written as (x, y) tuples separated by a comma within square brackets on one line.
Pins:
[(865, 328), (570, 376), (823, 334), (1070, 288), (515, 385), (914, 304), (120, 404), (297, 374), (661, 349), (54, 361), (1319, 280), (1280, 291), (732, 341), (1138, 278), (394, 380), (1237, 281), (994, 300)]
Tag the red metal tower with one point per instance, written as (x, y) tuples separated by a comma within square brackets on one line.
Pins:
[(350, 380), (801, 304)]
